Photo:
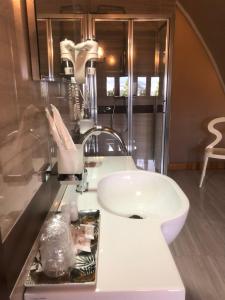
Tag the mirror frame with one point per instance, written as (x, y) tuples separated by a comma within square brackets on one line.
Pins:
[(33, 39)]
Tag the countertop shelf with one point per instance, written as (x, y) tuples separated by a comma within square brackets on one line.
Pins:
[(133, 254)]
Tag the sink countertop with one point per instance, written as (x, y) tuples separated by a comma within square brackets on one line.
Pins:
[(133, 254)]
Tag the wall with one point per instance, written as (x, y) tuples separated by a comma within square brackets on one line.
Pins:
[(23, 129), (24, 148), (209, 18), (197, 95)]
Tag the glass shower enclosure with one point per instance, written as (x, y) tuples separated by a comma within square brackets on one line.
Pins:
[(132, 85)]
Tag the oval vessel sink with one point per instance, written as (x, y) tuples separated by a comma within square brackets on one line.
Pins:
[(142, 194)]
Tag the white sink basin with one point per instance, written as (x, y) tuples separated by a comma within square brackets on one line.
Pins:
[(143, 194)]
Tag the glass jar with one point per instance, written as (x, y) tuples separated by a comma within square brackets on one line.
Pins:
[(56, 247)]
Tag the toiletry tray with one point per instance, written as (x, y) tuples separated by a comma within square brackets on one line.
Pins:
[(84, 270)]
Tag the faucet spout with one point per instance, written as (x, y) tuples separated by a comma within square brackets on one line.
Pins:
[(97, 130)]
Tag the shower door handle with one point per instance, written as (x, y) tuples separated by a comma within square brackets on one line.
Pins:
[(164, 105)]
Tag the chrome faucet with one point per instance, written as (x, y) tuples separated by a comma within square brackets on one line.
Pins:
[(82, 186), (80, 180), (97, 130)]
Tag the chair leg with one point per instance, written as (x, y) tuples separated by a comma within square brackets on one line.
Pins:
[(206, 158)]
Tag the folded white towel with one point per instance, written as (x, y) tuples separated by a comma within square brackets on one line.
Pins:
[(70, 158), (62, 130), (53, 129)]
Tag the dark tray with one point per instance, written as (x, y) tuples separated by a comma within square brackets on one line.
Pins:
[(83, 272)]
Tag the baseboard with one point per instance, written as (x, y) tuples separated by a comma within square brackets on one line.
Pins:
[(196, 165)]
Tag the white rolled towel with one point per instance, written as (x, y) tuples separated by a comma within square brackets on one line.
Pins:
[(69, 156), (62, 129)]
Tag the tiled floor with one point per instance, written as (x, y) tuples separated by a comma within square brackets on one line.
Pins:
[(199, 251)]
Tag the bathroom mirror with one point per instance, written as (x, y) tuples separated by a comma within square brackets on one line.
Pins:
[(131, 89)]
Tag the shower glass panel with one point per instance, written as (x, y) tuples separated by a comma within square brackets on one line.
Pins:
[(161, 95), (65, 99), (148, 83), (59, 90), (143, 103), (112, 83)]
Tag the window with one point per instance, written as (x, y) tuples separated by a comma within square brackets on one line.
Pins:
[(140, 163), (110, 86), (154, 86), (141, 86), (124, 86), (151, 165)]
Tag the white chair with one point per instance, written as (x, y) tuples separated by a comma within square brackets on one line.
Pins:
[(210, 150)]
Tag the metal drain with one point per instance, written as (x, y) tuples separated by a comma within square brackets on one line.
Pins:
[(136, 217)]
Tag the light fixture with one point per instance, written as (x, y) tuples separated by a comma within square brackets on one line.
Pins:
[(100, 52), (111, 60)]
